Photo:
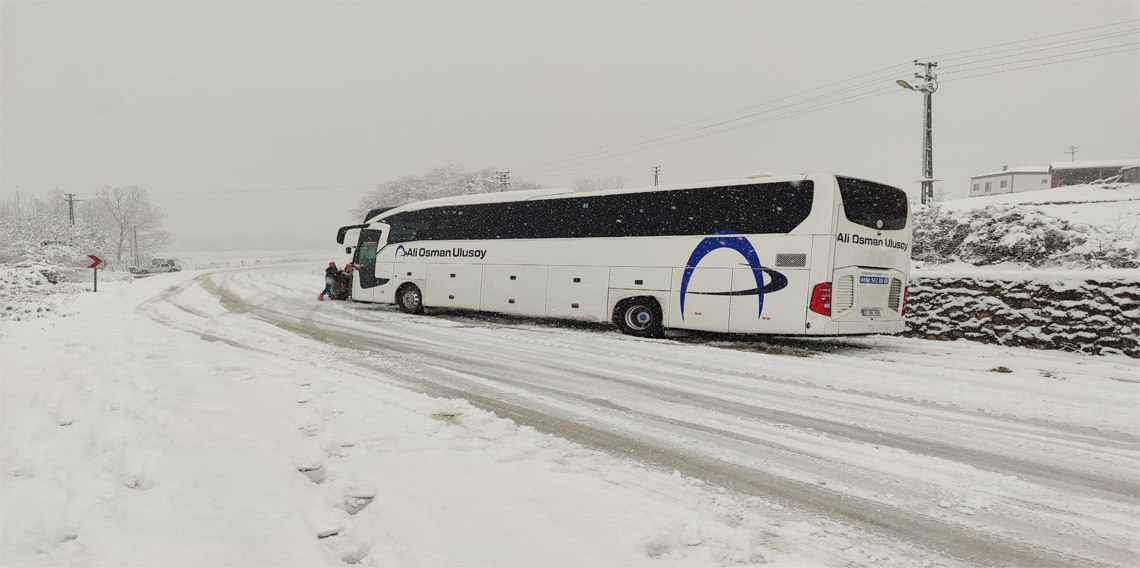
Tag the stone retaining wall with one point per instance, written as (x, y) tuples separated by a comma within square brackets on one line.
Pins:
[(1080, 315)]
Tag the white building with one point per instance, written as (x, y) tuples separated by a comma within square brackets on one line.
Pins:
[(1015, 180)]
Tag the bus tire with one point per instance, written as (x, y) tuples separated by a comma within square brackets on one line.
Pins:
[(410, 299), (639, 317)]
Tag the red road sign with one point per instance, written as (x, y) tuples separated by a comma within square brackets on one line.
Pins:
[(97, 260)]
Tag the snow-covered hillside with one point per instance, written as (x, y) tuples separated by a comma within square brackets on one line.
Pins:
[(1075, 227)]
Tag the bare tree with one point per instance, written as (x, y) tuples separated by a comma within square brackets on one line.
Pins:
[(132, 219), (598, 184)]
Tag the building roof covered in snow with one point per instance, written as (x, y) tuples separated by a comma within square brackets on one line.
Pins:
[(1018, 170), (1098, 164)]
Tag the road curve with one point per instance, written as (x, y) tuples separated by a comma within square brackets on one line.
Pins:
[(881, 434)]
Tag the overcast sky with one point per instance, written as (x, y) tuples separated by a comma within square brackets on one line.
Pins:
[(206, 104)]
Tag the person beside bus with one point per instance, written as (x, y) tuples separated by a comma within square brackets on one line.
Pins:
[(344, 283), (331, 274)]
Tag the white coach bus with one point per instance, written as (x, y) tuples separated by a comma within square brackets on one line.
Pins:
[(806, 255)]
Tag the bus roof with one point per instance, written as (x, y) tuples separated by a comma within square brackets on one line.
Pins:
[(529, 194)]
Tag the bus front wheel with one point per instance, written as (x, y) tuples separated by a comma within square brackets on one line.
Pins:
[(410, 299), (639, 317)]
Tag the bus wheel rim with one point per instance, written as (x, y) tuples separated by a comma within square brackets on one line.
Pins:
[(638, 318)]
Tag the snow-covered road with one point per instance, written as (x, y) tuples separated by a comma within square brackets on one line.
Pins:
[(128, 440), (984, 454)]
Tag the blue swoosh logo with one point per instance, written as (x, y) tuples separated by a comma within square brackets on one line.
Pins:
[(737, 242), (400, 251)]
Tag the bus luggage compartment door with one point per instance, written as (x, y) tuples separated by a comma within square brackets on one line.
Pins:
[(578, 292), (782, 310), (705, 299), (453, 285), (514, 289)]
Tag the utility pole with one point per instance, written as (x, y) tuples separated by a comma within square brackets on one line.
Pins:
[(656, 174), (1072, 151), (504, 180), (927, 89), (71, 206)]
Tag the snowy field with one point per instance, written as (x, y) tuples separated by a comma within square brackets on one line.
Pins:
[(227, 418), (250, 258)]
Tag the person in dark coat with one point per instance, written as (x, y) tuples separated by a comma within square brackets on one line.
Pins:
[(342, 289), (331, 274)]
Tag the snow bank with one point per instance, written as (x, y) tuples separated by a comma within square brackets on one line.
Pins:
[(1082, 227), (30, 290)]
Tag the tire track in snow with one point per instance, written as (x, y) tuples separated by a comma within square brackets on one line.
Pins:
[(957, 540), (1005, 464)]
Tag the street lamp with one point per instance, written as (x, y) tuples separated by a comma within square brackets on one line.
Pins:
[(927, 89)]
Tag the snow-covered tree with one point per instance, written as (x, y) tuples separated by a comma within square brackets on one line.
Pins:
[(133, 222), (441, 181), (598, 184), (34, 227)]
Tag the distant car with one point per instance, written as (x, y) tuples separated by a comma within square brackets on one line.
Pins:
[(157, 265)]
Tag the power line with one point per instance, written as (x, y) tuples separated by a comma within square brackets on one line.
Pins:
[(550, 163), (1054, 56), (857, 98), (839, 102), (945, 56), (714, 117), (685, 136), (859, 87), (817, 108), (1037, 65), (1023, 52)]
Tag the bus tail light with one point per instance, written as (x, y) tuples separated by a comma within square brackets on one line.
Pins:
[(821, 299), (906, 295)]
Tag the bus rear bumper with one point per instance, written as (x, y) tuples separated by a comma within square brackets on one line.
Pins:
[(856, 328), (864, 328)]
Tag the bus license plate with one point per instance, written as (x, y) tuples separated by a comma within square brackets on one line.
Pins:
[(872, 312)]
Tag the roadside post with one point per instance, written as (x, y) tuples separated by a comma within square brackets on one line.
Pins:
[(95, 270)]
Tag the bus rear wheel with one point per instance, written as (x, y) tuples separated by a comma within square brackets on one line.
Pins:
[(639, 317), (410, 299)]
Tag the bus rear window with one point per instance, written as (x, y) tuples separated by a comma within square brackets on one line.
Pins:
[(872, 204)]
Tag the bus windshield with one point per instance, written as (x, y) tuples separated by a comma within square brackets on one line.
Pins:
[(872, 204)]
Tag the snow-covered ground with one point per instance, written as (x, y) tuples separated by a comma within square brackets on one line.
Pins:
[(243, 258), (1082, 228), (228, 418), (1089, 204)]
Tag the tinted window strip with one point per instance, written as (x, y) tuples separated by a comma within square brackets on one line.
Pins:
[(746, 209)]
